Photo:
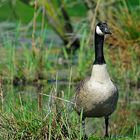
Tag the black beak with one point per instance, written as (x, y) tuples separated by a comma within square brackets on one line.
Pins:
[(107, 31)]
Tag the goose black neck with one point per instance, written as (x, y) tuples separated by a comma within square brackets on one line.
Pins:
[(99, 54)]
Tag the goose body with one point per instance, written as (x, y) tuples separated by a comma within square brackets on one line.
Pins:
[(97, 95)]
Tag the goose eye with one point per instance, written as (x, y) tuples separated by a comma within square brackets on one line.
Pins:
[(101, 27)]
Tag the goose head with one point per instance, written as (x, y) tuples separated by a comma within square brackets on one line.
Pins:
[(102, 29)]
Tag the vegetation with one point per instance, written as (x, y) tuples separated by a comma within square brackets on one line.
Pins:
[(38, 75)]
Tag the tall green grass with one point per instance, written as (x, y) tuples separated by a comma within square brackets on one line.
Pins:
[(21, 118), (51, 82)]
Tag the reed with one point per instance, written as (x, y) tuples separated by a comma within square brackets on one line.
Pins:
[(40, 107)]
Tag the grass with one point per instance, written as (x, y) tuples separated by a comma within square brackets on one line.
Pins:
[(36, 92), (21, 117)]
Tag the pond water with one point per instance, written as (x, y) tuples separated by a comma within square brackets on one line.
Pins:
[(10, 33)]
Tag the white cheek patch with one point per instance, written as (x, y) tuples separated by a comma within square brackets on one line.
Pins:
[(98, 31)]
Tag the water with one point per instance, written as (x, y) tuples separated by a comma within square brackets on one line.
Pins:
[(18, 37), (12, 32)]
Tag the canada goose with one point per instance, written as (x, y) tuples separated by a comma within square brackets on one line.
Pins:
[(97, 96)]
